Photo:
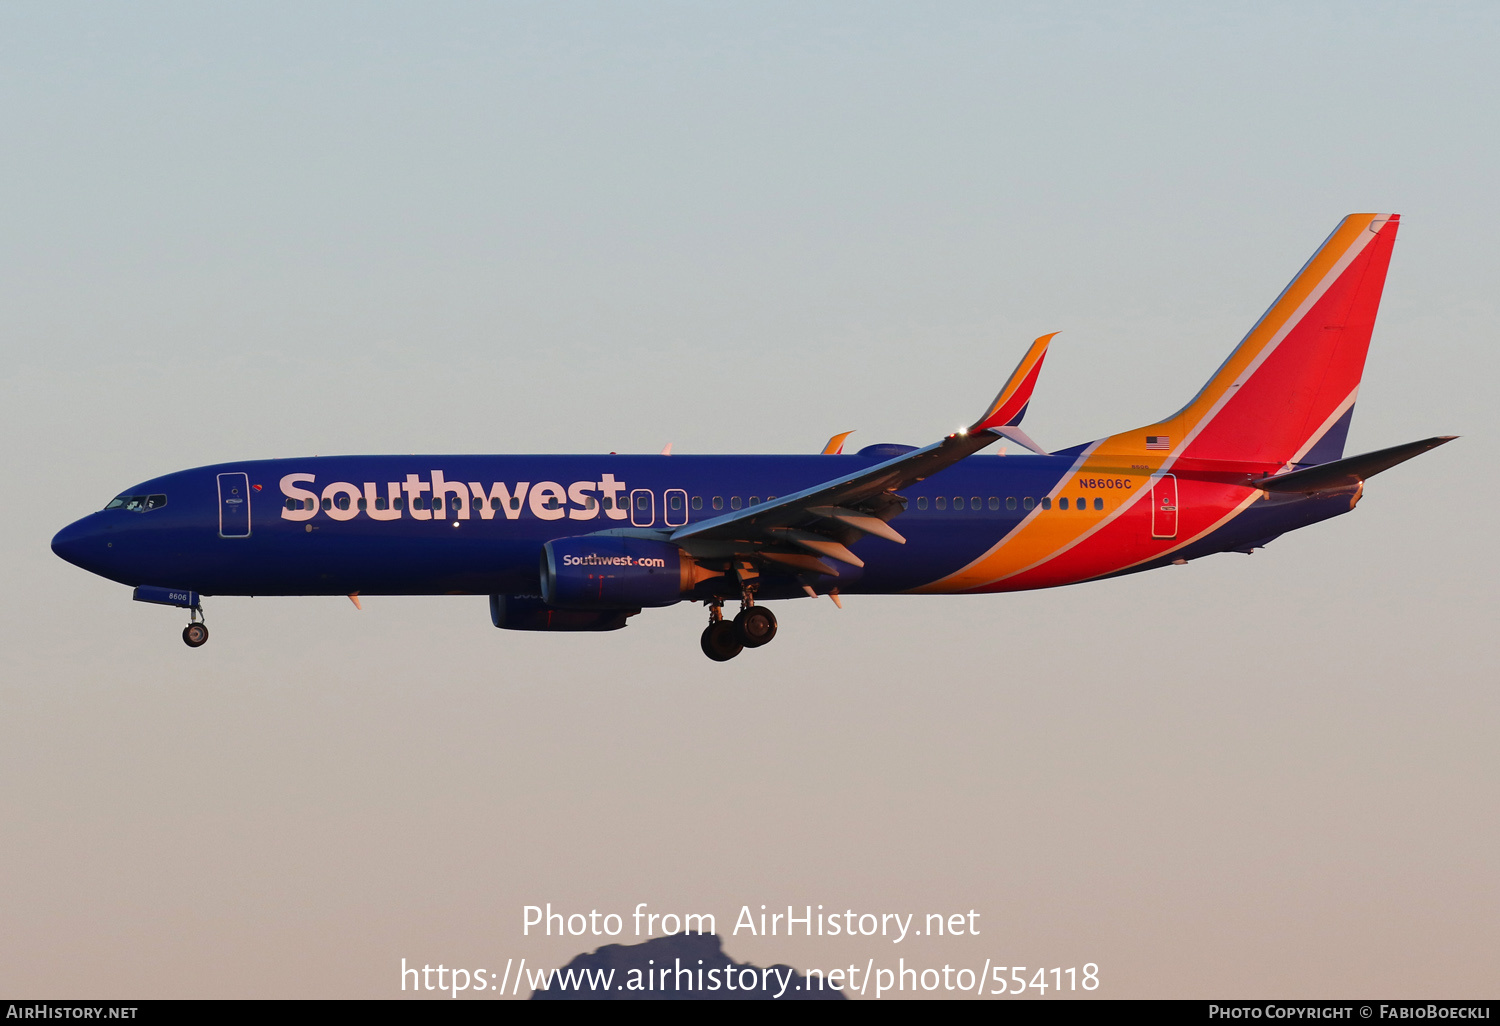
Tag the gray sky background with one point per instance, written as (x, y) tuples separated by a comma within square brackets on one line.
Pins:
[(260, 231)]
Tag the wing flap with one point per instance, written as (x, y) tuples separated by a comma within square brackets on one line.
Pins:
[(859, 521)]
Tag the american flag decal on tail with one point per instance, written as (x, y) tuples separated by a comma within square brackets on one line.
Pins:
[(1161, 442)]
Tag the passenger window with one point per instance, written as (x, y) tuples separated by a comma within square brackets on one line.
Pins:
[(437, 502), (974, 502), (609, 503), (398, 503), (1010, 502), (642, 503), (755, 500), (1027, 502), (1062, 503), (495, 503), (697, 502), (515, 502), (922, 502), (343, 501), (958, 502), (674, 502), (718, 502), (1046, 502), (1098, 503), (328, 504), (362, 503), (941, 502), (381, 502), (290, 504), (734, 502), (994, 502)]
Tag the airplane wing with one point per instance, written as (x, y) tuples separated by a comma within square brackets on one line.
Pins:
[(797, 531)]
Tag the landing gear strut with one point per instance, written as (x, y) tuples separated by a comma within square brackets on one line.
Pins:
[(195, 634)]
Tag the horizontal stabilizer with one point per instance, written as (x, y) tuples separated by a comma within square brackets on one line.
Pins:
[(1346, 472)]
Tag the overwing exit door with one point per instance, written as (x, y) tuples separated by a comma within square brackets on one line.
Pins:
[(1164, 507), (234, 505)]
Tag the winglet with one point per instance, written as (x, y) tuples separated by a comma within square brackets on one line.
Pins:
[(835, 446), (1010, 405)]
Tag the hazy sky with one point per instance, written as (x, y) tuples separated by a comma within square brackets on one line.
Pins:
[(234, 231)]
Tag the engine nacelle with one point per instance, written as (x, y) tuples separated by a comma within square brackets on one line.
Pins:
[(530, 613), (611, 572)]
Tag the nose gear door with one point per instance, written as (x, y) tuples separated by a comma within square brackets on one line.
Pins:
[(234, 505)]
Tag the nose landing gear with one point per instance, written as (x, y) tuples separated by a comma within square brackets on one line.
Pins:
[(195, 634)]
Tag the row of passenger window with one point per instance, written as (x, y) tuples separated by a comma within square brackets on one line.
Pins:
[(1027, 502)]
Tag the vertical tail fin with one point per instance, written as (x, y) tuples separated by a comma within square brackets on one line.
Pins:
[(1286, 394)]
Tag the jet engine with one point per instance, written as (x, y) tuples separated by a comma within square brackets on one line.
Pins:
[(613, 572), (530, 613)]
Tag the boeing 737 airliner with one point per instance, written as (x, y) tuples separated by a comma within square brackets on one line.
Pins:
[(582, 543)]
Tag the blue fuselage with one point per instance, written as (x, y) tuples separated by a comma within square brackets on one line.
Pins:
[(372, 524)]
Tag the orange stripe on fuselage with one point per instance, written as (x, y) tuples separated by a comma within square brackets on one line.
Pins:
[(1054, 547)]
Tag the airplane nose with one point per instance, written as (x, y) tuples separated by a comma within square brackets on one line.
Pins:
[(81, 543)]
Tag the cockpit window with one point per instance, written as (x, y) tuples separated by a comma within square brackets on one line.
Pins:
[(137, 503)]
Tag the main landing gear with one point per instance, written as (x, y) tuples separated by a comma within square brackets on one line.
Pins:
[(724, 639), (195, 634)]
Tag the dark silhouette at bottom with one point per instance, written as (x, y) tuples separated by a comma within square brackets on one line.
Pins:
[(685, 967)]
